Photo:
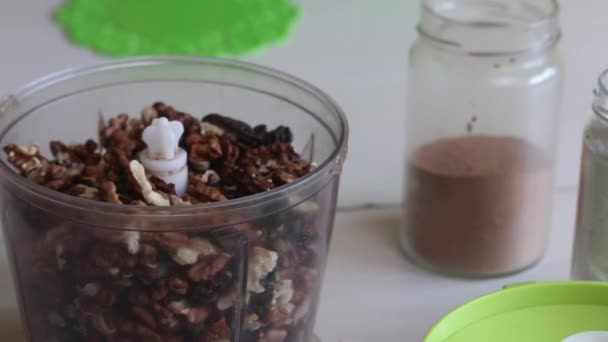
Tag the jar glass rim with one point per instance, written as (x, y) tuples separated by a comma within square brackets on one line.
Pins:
[(332, 163), (602, 82), (491, 28), (551, 15), (600, 102)]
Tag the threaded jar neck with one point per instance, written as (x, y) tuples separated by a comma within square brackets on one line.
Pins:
[(600, 101), (491, 27)]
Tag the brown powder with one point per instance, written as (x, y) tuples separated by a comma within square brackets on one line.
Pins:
[(477, 205)]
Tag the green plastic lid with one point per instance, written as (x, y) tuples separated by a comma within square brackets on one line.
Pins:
[(184, 27), (532, 312)]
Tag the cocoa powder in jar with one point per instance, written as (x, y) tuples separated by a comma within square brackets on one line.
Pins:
[(477, 205)]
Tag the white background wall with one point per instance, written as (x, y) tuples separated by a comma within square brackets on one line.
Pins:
[(356, 50)]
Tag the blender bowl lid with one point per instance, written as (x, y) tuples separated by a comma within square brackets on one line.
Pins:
[(531, 312)]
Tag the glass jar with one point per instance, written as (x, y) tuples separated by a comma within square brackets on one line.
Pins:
[(590, 253), (484, 92), (80, 266)]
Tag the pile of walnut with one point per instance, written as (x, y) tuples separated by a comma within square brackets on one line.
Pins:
[(101, 285), (227, 159)]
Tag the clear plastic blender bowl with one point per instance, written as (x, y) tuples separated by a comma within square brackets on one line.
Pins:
[(93, 271)]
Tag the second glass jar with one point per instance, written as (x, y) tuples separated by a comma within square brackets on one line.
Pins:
[(484, 93)]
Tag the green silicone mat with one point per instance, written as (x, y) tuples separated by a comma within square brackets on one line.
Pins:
[(534, 312), (177, 27)]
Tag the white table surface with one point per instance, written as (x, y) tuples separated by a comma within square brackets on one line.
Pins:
[(373, 293), (357, 51)]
